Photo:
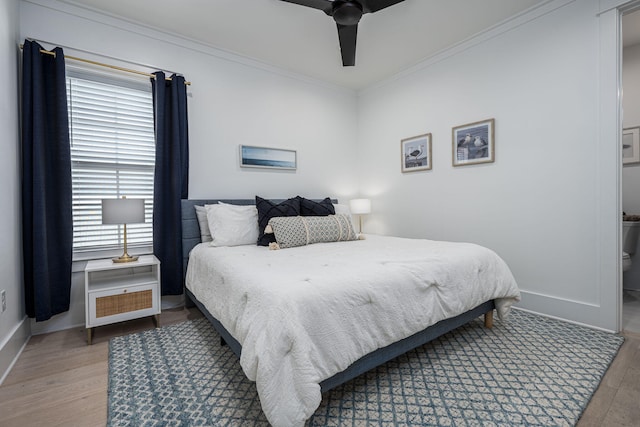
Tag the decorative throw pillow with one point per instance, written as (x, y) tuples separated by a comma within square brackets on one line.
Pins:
[(201, 215), (232, 225), (345, 210), (267, 210), (313, 208), (305, 230)]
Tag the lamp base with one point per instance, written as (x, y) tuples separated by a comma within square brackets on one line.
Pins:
[(125, 258)]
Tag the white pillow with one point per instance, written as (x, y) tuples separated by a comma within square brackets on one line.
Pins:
[(345, 210), (232, 225), (201, 214)]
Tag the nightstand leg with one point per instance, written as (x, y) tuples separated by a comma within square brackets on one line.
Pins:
[(156, 319), (89, 334)]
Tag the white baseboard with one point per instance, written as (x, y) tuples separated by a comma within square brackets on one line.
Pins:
[(172, 301), (40, 328), (578, 312), (564, 320), (12, 347)]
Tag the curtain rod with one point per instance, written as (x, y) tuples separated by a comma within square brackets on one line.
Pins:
[(101, 64)]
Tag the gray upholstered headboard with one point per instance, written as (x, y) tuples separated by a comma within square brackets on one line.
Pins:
[(191, 228)]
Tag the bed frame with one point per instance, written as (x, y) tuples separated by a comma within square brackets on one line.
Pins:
[(191, 237)]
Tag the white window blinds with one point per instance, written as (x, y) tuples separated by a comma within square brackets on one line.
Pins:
[(112, 155)]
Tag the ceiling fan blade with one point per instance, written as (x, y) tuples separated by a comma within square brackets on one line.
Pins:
[(347, 35), (324, 5), (370, 6)]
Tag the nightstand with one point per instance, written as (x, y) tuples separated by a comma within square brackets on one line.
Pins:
[(115, 292)]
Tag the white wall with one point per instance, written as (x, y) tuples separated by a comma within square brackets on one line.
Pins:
[(14, 330), (631, 107), (232, 101), (537, 205), (540, 205)]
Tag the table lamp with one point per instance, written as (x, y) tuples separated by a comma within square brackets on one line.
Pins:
[(123, 211), (360, 207)]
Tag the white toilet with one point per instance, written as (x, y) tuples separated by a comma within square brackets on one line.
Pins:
[(626, 261), (630, 233)]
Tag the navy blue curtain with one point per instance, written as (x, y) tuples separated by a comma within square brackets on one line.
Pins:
[(171, 179), (47, 223)]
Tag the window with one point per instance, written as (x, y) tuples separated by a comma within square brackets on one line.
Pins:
[(112, 155)]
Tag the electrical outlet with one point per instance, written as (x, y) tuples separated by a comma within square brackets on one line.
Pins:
[(3, 297)]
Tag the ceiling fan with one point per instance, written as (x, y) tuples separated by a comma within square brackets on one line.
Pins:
[(347, 14)]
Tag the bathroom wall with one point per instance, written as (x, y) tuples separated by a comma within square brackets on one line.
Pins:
[(631, 118), (631, 172)]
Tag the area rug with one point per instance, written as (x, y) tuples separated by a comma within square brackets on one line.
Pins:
[(528, 370)]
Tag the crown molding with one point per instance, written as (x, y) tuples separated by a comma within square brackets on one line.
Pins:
[(513, 22), (72, 8)]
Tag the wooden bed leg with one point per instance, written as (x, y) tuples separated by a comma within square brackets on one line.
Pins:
[(488, 319)]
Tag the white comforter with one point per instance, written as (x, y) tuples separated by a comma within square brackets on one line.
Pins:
[(304, 314)]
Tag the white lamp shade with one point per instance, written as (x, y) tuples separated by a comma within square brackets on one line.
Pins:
[(360, 206), (122, 211)]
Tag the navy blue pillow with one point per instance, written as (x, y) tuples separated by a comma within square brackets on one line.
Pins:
[(312, 208), (267, 210)]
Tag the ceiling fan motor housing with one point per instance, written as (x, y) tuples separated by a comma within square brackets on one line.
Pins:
[(347, 12)]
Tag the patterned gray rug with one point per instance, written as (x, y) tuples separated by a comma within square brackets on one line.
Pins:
[(529, 370)]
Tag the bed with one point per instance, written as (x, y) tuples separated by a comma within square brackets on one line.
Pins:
[(304, 320)]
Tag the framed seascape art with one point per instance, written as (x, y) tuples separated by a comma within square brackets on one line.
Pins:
[(416, 153), (270, 158), (473, 143), (631, 146)]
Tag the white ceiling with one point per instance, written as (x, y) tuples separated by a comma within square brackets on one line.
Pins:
[(305, 40)]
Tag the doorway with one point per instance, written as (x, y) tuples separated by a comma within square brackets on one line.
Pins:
[(631, 163)]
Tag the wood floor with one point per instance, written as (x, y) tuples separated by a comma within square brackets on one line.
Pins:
[(60, 381), (631, 310)]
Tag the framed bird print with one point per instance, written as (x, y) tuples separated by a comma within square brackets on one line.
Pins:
[(473, 143), (416, 153)]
